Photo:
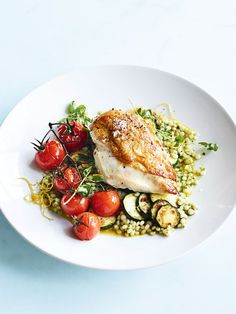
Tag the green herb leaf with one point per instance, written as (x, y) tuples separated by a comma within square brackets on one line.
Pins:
[(87, 171), (97, 178), (87, 189), (80, 110), (179, 139), (77, 113), (84, 189), (163, 134), (209, 146), (145, 113), (71, 107)]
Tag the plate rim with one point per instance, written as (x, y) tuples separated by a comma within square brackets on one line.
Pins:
[(110, 67)]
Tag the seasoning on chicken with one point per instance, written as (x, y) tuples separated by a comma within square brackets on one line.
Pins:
[(129, 154)]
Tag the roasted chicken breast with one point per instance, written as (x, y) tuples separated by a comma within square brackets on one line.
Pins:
[(129, 154)]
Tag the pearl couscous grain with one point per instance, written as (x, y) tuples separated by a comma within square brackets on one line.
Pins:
[(180, 142)]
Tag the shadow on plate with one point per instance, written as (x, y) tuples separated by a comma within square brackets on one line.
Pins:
[(69, 232), (33, 166)]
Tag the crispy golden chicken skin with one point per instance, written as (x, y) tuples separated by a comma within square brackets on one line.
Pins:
[(126, 137)]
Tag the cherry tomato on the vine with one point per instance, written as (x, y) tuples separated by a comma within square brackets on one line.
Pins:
[(75, 205), (66, 178), (73, 135), (50, 155), (88, 226), (105, 203)]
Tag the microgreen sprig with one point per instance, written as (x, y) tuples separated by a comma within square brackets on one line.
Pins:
[(86, 173), (209, 146), (77, 113)]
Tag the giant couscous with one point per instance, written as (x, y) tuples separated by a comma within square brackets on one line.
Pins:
[(72, 184)]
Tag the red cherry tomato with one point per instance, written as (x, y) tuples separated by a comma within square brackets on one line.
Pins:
[(73, 135), (51, 155), (105, 203), (88, 226), (66, 179), (75, 206)]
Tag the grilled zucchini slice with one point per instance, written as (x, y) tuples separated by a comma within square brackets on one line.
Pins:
[(168, 215), (171, 198), (144, 204), (107, 222), (130, 207), (156, 206)]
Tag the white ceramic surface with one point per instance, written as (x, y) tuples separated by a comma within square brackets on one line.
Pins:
[(101, 88)]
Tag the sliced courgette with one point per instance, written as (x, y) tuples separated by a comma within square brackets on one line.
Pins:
[(107, 222), (156, 206), (144, 204), (168, 215), (130, 207), (171, 198)]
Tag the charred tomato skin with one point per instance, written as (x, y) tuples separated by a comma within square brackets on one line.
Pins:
[(73, 135), (68, 178), (50, 156), (88, 226)]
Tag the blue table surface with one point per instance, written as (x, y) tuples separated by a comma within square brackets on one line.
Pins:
[(41, 39)]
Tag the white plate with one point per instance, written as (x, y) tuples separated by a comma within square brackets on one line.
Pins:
[(101, 88)]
